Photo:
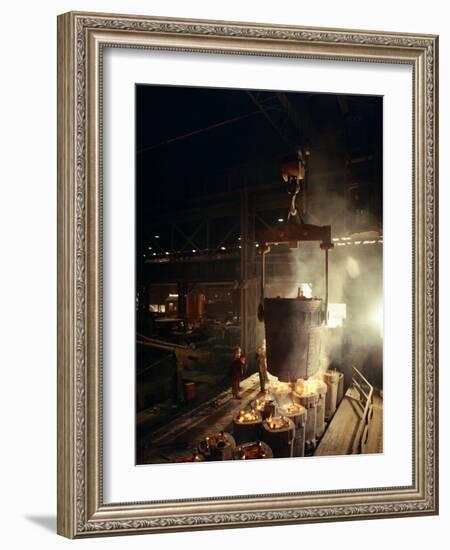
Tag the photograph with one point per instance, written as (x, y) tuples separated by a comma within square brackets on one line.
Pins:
[(258, 274), (247, 283), (223, 227)]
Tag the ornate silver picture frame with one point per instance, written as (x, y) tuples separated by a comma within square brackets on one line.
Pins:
[(82, 40)]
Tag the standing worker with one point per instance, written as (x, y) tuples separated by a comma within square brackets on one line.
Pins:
[(262, 365), (237, 371)]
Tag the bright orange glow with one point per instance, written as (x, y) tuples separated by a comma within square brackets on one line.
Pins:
[(280, 387), (247, 416), (310, 386)]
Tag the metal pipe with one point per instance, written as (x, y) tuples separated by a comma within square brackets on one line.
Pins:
[(360, 388), (362, 376)]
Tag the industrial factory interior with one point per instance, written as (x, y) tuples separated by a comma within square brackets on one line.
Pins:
[(259, 274)]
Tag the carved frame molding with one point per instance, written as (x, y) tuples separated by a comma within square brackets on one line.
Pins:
[(81, 39)]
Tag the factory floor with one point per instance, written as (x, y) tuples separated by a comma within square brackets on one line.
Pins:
[(375, 439), (343, 429), (179, 438)]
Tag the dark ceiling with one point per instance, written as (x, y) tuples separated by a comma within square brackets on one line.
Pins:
[(201, 142)]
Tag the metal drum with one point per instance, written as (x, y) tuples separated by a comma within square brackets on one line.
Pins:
[(269, 409), (309, 401), (218, 447), (292, 328), (280, 390), (247, 426), (254, 449), (321, 389), (185, 457), (331, 379), (279, 433), (297, 413), (281, 393), (264, 405)]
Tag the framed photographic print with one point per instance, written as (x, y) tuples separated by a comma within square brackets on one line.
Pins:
[(247, 289)]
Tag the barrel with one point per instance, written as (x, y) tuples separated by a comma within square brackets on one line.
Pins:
[(297, 413), (189, 457), (218, 447), (279, 434), (281, 395), (247, 426), (253, 449), (309, 401), (331, 379), (281, 389), (292, 337), (321, 388), (264, 405), (269, 410)]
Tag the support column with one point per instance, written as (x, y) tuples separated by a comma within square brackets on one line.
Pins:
[(244, 269), (249, 284), (181, 289)]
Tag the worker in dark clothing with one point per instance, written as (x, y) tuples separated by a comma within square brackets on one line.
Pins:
[(237, 372), (237, 352)]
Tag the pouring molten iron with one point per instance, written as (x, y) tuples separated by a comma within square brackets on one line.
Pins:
[(293, 325)]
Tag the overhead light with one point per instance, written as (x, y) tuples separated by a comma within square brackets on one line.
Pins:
[(156, 236), (150, 248), (280, 220), (222, 248), (167, 253), (194, 251), (154, 253)]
